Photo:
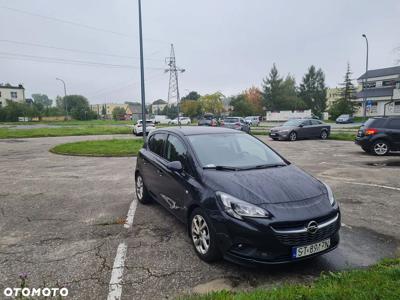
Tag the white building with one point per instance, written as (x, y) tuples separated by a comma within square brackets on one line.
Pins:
[(380, 91), (11, 93)]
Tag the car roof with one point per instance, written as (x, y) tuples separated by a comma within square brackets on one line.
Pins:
[(196, 130)]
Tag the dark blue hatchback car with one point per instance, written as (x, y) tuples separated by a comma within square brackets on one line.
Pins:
[(238, 198)]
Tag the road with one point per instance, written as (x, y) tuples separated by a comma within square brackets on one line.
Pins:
[(61, 222)]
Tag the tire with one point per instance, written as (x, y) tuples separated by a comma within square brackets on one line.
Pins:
[(141, 191), (208, 252), (292, 136), (380, 148), (323, 135)]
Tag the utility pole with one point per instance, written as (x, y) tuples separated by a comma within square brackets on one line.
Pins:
[(142, 72), (366, 79), (65, 95), (173, 90)]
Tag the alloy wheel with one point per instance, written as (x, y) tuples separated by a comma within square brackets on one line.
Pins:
[(139, 187), (324, 135), (381, 148), (293, 136), (200, 234)]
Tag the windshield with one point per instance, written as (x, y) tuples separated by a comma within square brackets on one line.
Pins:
[(231, 120), (293, 122), (235, 150), (343, 116)]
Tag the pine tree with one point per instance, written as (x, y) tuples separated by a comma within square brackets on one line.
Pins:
[(345, 104), (313, 90)]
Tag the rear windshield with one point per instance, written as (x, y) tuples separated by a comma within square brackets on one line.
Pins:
[(378, 123), (231, 120)]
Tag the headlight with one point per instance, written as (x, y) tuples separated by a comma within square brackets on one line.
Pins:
[(238, 208), (330, 194)]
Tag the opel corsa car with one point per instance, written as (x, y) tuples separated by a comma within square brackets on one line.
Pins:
[(239, 199)]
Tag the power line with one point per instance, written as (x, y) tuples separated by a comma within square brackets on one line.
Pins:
[(72, 23), (36, 58), (73, 50)]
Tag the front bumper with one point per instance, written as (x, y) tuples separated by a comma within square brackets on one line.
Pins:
[(258, 242), (279, 135)]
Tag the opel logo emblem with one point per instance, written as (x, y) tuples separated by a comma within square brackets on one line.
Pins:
[(312, 227)]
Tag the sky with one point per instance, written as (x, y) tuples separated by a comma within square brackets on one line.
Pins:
[(225, 45)]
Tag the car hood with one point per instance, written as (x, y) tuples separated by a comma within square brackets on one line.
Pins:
[(266, 186)]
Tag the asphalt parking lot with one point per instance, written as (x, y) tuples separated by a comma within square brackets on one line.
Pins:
[(61, 222)]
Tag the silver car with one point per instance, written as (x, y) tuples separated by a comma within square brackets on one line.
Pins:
[(237, 123)]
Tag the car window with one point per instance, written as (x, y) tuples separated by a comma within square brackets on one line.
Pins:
[(156, 143), (232, 150), (394, 124), (377, 123), (306, 123), (316, 122), (176, 151)]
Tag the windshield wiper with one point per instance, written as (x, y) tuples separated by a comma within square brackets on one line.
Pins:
[(266, 166), (222, 168)]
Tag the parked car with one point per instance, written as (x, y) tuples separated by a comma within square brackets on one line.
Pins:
[(182, 120), (239, 198), (252, 120), (208, 120), (138, 127), (380, 135), (296, 129), (237, 123), (344, 119), (161, 119)]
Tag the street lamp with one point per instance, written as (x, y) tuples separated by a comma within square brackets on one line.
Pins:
[(366, 78), (142, 72), (65, 95)]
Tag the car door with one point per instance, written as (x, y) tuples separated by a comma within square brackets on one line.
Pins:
[(316, 128), (175, 188), (393, 130), (244, 126), (153, 164), (306, 129)]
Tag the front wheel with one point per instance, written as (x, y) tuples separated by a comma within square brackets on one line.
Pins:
[(293, 136), (324, 135), (380, 148), (203, 236)]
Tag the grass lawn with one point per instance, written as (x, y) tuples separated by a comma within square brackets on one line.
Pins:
[(6, 133), (381, 281), (102, 148), (71, 123), (343, 136)]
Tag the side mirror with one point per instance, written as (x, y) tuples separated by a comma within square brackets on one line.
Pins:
[(301, 125), (175, 166)]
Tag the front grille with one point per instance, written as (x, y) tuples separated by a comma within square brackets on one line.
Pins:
[(303, 238)]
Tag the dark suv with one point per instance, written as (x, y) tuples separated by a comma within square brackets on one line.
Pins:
[(380, 135)]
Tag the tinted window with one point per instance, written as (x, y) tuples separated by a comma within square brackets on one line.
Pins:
[(316, 122), (176, 151), (232, 150), (156, 143), (306, 123), (293, 122), (231, 120), (378, 123), (394, 124)]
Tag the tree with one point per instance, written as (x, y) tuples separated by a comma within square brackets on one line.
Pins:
[(345, 104), (212, 103), (191, 108), (254, 98), (42, 99), (118, 113), (241, 106), (313, 90), (103, 110), (77, 106), (13, 110), (280, 94), (191, 96), (171, 111)]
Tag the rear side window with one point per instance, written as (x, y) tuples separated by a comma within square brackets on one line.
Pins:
[(375, 123), (156, 143), (394, 124)]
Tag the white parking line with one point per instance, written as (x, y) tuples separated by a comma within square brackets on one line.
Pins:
[(131, 214), (115, 288), (346, 180)]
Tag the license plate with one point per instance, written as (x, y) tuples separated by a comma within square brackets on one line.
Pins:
[(273, 134), (310, 249)]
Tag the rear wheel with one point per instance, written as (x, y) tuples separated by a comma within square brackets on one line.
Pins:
[(324, 135), (141, 191), (203, 236), (381, 148), (293, 136)]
